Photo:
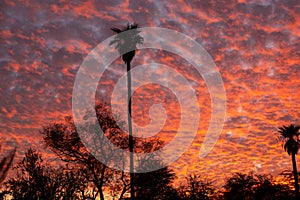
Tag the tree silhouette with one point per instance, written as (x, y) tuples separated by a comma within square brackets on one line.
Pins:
[(254, 187), (64, 141), (37, 180), (5, 164), (239, 187), (155, 185), (289, 135), (268, 190), (126, 42), (198, 189)]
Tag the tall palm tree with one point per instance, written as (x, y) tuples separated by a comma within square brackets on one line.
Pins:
[(290, 136), (126, 42)]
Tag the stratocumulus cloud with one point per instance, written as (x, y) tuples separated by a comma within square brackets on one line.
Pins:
[(255, 46)]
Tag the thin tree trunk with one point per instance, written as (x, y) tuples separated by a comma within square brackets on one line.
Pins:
[(295, 175), (102, 182), (130, 133), (101, 194), (98, 183)]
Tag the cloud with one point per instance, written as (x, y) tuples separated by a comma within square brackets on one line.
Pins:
[(255, 46)]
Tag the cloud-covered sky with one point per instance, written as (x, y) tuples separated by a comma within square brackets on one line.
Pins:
[(255, 45)]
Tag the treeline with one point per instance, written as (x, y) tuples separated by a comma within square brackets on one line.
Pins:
[(82, 176), (37, 180)]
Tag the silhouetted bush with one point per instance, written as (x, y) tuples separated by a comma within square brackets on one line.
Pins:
[(255, 187)]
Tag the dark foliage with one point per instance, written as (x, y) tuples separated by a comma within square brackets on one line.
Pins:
[(198, 189), (37, 180), (290, 137), (155, 185), (126, 41), (64, 140), (254, 187)]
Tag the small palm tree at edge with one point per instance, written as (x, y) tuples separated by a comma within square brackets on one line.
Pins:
[(289, 135)]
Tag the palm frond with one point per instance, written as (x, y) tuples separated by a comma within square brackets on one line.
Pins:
[(127, 40), (289, 138), (289, 131), (116, 30)]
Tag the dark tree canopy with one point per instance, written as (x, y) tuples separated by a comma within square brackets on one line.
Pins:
[(154, 185), (36, 180), (198, 189), (255, 187), (290, 137), (126, 41), (64, 140)]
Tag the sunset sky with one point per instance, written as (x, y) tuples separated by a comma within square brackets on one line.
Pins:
[(254, 44)]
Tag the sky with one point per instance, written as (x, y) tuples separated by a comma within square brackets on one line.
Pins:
[(254, 44)]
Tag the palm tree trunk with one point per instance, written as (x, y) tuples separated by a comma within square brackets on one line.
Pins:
[(130, 132), (295, 175)]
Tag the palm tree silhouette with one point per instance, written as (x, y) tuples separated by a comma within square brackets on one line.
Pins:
[(290, 136), (126, 42)]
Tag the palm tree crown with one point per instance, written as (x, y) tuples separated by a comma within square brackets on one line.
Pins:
[(126, 41), (290, 135)]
